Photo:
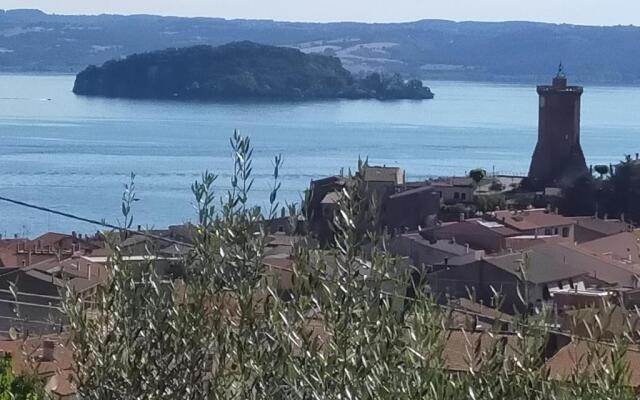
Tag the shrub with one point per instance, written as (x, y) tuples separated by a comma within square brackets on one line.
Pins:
[(356, 323)]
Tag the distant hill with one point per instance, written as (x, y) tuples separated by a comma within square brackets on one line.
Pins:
[(239, 70), (431, 49)]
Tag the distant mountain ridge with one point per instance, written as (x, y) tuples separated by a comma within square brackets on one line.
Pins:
[(239, 70), (32, 41)]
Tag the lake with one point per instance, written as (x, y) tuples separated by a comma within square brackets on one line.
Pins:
[(75, 154)]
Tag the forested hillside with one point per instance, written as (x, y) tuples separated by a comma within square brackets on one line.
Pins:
[(430, 49)]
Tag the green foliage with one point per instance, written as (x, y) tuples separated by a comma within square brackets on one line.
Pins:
[(491, 202), (602, 169), (580, 198), (17, 388), (344, 328), (617, 194), (238, 70), (477, 174)]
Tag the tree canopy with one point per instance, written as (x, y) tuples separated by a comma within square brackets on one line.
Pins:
[(239, 70)]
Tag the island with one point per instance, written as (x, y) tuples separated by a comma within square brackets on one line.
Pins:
[(239, 70)]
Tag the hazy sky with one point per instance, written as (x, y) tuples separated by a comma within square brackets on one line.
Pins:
[(592, 12)]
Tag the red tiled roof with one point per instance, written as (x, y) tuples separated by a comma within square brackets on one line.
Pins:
[(623, 246), (459, 351), (603, 226), (531, 219), (50, 238), (26, 358), (573, 357)]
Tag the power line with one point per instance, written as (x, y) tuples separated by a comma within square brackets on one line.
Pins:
[(93, 221), (177, 242)]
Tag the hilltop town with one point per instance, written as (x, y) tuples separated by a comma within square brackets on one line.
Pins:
[(470, 237)]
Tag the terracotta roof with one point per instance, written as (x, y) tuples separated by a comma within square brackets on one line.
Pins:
[(599, 267), (26, 358), (481, 309), (496, 227), (446, 246), (382, 174), (623, 246), (75, 270), (413, 191), (603, 322), (541, 267), (51, 238), (134, 240), (531, 219), (283, 263), (460, 347), (603, 226), (46, 265), (574, 357), (26, 355)]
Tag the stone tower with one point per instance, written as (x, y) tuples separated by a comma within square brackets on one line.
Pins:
[(558, 157)]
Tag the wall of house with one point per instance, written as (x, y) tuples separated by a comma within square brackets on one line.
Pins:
[(477, 278), (583, 234), (419, 254), (410, 211), (455, 194), (477, 236), (566, 232)]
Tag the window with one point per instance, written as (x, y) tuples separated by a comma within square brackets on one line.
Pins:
[(464, 196), (547, 232), (281, 229), (565, 232), (555, 231), (456, 195)]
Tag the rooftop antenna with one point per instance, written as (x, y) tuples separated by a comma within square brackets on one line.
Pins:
[(561, 73)]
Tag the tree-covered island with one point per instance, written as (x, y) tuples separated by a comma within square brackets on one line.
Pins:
[(239, 70)]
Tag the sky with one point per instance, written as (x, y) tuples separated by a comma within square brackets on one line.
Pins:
[(587, 12)]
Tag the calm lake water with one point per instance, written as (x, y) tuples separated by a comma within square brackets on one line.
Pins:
[(74, 154)]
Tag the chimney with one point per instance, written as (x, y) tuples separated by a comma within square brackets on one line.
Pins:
[(637, 156), (139, 228), (48, 350), (74, 235)]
